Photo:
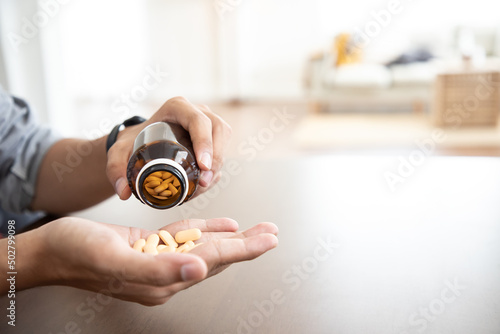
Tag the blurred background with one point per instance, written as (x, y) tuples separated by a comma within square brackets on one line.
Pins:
[(357, 75)]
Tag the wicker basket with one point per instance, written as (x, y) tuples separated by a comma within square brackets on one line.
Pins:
[(466, 99)]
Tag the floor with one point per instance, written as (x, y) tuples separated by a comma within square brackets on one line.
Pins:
[(259, 128)]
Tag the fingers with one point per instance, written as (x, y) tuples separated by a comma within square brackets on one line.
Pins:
[(255, 230), (221, 135), (116, 168), (208, 225), (221, 252), (163, 269), (258, 229), (181, 111)]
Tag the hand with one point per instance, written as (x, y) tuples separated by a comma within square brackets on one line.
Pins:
[(99, 257), (209, 133)]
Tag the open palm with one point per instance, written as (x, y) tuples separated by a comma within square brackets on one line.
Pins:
[(99, 257)]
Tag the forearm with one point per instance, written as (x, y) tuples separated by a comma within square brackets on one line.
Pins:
[(72, 176), (21, 256)]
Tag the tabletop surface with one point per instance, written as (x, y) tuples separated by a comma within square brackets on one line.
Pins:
[(355, 256)]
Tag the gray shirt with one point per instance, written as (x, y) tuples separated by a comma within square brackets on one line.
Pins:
[(23, 145)]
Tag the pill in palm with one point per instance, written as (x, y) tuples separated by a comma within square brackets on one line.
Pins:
[(167, 249), (152, 244), (150, 249), (139, 244), (153, 239), (167, 238), (186, 247), (186, 235)]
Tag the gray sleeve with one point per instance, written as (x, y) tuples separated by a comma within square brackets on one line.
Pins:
[(23, 145)]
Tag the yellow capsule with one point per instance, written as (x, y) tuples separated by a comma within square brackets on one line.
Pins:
[(160, 197), (172, 189), (195, 245), (153, 184), (157, 174), (176, 182), (151, 191), (169, 180), (153, 239), (188, 235), (153, 178), (186, 247), (139, 245), (151, 244), (150, 249), (167, 238), (166, 175), (166, 193), (161, 188), (167, 249)]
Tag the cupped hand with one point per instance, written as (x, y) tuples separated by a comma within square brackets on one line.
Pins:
[(99, 257), (209, 133)]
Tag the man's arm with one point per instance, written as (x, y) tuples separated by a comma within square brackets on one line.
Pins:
[(76, 174), (89, 255), (72, 176)]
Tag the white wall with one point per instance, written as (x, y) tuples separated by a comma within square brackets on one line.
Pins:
[(91, 52), (23, 63)]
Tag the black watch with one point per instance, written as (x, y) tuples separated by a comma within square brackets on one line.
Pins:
[(114, 133)]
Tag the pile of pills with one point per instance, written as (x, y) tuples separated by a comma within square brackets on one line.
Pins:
[(162, 185), (183, 242)]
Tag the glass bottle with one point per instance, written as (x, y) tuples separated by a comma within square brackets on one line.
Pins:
[(162, 171)]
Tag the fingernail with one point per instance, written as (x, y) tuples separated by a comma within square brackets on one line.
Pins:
[(188, 272), (120, 186), (207, 176), (206, 160)]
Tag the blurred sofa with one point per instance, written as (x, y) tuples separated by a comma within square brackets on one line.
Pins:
[(371, 86)]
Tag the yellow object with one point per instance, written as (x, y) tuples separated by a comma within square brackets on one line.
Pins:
[(153, 184), (166, 193), (186, 247), (346, 50), (167, 238), (188, 235), (152, 244), (172, 189), (139, 245)]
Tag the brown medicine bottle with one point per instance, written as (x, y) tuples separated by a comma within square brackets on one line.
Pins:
[(162, 171)]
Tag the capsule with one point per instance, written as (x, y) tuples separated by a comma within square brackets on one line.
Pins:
[(167, 238), (188, 235), (139, 245), (186, 247), (167, 249), (151, 244)]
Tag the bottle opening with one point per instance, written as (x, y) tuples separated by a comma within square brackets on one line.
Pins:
[(162, 186)]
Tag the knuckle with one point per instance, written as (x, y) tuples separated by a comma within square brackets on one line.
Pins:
[(204, 108), (222, 126), (177, 100), (201, 118)]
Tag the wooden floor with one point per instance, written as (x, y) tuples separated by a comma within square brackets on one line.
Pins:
[(249, 121)]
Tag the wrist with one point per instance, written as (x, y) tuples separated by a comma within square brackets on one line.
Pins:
[(31, 260), (112, 137)]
